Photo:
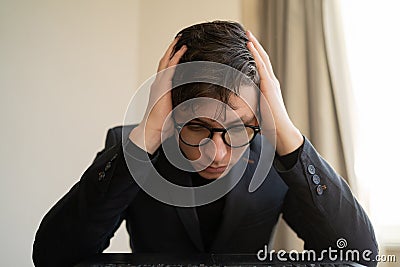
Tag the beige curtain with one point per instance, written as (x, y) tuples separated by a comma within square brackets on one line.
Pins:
[(304, 41)]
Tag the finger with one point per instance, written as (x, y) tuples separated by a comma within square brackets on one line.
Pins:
[(167, 55), (268, 84), (262, 52), (169, 72), (262, 70), (175, 59), (163, 80)]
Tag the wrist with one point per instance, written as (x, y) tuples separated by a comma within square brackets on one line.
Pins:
[(288, 140), (146, 139)]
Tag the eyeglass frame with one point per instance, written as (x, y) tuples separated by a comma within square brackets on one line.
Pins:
[(179, 127)]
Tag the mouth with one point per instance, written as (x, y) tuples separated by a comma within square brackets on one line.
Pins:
[(215, 170)]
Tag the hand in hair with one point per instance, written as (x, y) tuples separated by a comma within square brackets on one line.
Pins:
[(147, 135), (288, 137)]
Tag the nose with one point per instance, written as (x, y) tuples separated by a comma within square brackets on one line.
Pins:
[(221, 149)]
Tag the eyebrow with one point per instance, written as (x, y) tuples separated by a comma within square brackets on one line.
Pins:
[(244, 120)]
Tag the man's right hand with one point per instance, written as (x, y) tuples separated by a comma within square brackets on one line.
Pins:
[(147, 135)]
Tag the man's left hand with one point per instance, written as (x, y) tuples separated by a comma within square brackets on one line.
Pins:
[(288, 137)]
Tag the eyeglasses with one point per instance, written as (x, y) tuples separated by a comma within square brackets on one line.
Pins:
[(196, 134)]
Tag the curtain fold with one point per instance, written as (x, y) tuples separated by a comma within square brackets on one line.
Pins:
[(304, 42)]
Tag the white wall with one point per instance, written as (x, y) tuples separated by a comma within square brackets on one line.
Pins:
[(67, 72)]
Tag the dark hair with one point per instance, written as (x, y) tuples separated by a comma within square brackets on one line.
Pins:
[(218, 41)]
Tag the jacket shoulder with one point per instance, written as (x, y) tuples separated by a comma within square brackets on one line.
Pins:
[(117, 133)]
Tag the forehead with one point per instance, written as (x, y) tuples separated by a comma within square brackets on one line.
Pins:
[(242, 107)]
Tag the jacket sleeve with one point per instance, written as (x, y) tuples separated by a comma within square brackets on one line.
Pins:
[(83, 221), (322, 210)]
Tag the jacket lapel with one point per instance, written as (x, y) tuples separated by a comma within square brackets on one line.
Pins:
[(235, 208), (191, 223), (188, 215), (236, 203)]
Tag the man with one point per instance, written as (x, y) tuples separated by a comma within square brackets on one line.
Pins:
[(224, 129)]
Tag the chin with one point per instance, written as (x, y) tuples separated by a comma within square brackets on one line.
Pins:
[(211, 176)]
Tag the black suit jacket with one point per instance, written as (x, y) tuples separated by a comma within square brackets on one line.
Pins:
[(85, 219)]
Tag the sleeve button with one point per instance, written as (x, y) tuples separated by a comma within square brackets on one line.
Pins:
[(311, 169), (108, 166), (320, 189), (102, 175), (316, 180)]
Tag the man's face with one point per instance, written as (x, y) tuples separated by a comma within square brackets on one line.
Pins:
[(215, 158)]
